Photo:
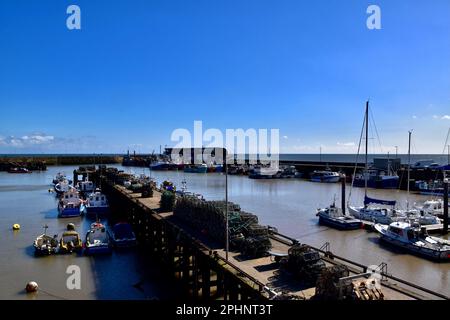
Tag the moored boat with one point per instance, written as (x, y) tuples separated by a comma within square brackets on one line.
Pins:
[(70, 240), (334, 217), (96, 203), (97, 240), (19, 170), (415, 239), (85, 186), (45, 244), (70, 205), (122, 235), (62, 186), (377, 214), (324, 176), (196, 168)]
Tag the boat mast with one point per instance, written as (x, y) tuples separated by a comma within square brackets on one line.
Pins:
[(409, 169), (367, 146)]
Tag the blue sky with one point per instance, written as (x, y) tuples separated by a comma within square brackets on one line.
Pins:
[(139, 69)]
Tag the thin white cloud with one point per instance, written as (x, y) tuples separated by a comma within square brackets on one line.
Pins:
[(414, 117), (346, 144), (435, 117), (285, 137), (446, 117)]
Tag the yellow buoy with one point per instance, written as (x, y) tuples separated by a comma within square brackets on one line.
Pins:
[(16, 226)]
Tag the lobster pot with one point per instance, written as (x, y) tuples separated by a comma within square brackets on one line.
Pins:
[(209, 218), (249, 218), (255, 247), (327, 283)]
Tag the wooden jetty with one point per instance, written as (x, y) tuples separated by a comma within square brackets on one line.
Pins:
[(200, 264)]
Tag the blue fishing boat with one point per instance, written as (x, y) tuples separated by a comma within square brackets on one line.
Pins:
[(70, 205), (122, 235), (196, 168), (98, 240)]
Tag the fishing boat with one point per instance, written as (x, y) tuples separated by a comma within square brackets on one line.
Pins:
[(196, 168), (62, 186), (86, 186), (122, 235), (325, 176), (96, 203), (431, 188), (334, 217), (160, 166), (45, 245), (70, 204), (260, 172), (70, 240), (19, 170), (97, 240), (377, 179), (59, 177), (412, 237)]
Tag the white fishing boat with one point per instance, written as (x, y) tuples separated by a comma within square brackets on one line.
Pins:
[(325, 176), (96, 203), (86, 186), (412, 237), (98, 240), (63, 186)]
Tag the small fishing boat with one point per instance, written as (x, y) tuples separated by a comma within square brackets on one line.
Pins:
[(433, 207), (86, 186), (62, 186), (414, 239), (19, 170), (160, 166), (196, 168), (70, 205), (45, 245), (97, 240), (122, 235), (260, 172), (432, 188), (96, 203), (325, 176), (60, 177), (70, 240), (334, 217), (376, 179)]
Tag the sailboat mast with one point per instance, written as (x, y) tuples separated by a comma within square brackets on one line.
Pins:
[(367, 146), (409, 169)]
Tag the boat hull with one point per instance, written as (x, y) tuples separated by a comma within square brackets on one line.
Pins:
[(340, 224), (98, 249), (69, 212), (388, 183), (423, 252), (325, 179), (96, 210)]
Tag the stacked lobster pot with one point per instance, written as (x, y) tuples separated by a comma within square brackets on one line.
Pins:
[(245, 234)]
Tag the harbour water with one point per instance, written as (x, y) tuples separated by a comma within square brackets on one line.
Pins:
[(288, 205), (24, 199)]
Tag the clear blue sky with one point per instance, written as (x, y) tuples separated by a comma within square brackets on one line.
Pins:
[(139, 69)]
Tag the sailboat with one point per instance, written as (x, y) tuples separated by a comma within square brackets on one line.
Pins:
[(369, 211), (414, 214)]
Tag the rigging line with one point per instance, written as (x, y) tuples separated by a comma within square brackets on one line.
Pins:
[(356, 161), (376, 130), (446, 141)]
